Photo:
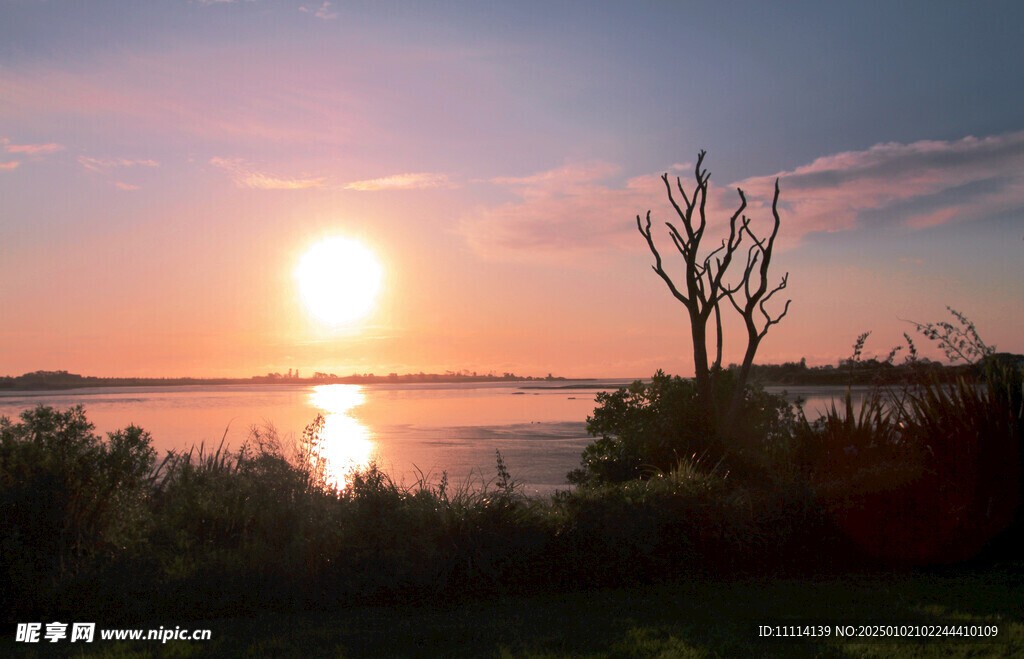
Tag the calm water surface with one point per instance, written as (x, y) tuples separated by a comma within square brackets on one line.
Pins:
[(404, 428)]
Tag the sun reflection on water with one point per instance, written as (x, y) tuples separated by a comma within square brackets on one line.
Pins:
[(344, 443)]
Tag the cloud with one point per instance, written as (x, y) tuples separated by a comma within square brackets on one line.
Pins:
[(25, 150), (105, 165), (906, 187), (182, 91), (324, 11), (564, 210), (913, 185), (32, 149), (566, 180), (420, 181), (244, 175)]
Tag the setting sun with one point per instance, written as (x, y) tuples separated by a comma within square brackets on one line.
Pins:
[(339, 279)]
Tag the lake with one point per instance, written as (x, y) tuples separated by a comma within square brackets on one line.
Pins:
[(539, 428)]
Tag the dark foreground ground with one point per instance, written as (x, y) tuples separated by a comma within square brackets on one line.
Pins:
[(698, 619)]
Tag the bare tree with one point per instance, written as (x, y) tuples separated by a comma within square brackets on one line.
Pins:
[(704, 285)]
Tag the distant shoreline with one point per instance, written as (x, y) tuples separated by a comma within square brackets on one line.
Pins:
[(585, 383), (870, 372), (59, 380)]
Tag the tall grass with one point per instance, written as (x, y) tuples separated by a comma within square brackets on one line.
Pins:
[(219, 531), (929, 472)]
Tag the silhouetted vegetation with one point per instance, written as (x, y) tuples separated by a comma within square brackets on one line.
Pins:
[(647, 428), (49, 380), (705, 287), (868, 372), (97, 527), (916, 475), (924, 472)]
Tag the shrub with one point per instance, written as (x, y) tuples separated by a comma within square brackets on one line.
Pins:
[(971, 433), (68, 499), (647, 428), (929, 472)]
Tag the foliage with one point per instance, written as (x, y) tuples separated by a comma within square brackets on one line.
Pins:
[(930, 471), (926, 472), (218, 532), (67, 497), (960, 341), (649, 427), (923, 474)]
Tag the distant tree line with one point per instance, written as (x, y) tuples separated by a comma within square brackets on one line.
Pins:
[(867, 372), (64, 380), (447, 376)]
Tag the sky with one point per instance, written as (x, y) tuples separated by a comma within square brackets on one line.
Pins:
[(165, 165)]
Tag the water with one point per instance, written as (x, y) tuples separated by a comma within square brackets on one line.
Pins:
[(407, 429)]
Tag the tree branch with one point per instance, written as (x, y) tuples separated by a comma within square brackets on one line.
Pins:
[(645, 231), (706, 283)]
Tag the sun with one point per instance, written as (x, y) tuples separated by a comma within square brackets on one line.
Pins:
[(339, 279)]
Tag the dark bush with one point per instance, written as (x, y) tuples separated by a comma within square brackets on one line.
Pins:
[(923, 474), (645, 429), (69, 501)]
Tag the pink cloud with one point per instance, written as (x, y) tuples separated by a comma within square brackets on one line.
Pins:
[(103, 165), (106, 167), (919, 184), (562, 210), (420, 181), (9, 165), (557, 180), (571, 210), (914, 186), (941, 216), (244, 175), (33, 149)]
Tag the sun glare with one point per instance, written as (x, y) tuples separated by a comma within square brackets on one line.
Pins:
[(339, 279), (344, 443)]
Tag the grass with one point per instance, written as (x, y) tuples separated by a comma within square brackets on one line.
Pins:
[(692, 618)]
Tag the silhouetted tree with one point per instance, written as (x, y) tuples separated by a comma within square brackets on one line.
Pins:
[(704, 286)]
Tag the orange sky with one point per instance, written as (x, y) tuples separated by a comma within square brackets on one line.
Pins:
[(163, 169)]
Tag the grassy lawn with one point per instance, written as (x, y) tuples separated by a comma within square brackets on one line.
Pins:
[(698, 619)]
